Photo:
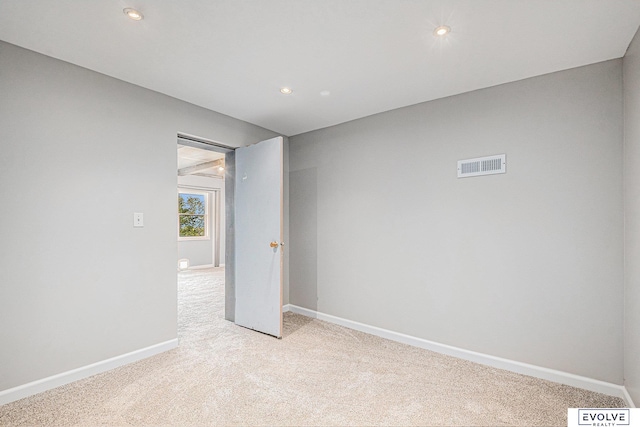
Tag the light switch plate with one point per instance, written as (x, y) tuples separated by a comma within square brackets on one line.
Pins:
[(138, 219)]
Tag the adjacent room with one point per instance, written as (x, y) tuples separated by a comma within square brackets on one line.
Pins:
[(200, 208), (319, 213)]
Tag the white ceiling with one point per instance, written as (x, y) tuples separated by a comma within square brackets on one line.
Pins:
[(232, 56), (191, 161)]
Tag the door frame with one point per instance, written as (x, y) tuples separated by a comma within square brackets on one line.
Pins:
[(229, 189)]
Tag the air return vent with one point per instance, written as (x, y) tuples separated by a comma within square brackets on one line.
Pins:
[(482, 166)]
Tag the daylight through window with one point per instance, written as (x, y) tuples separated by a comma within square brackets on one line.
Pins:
[(192, 215)]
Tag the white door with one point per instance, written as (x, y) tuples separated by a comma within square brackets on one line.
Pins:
[(259, 235)]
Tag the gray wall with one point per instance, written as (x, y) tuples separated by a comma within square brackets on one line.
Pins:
[(303, 224), (632, 218), (201, 252), (527, 265), (80, 153)]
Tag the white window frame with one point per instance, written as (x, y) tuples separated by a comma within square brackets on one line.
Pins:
[(207, 219)]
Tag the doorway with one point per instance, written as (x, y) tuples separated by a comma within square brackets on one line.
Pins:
[(224, 202), (262, 183)]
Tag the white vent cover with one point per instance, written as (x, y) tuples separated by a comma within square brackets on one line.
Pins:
[(482, 166)]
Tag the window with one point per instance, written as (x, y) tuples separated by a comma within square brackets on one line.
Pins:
[(192, 216)]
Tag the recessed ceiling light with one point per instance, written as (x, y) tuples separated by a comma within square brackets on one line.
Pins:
[(133, 14), (442, 31), (325, 93), (286, 91)]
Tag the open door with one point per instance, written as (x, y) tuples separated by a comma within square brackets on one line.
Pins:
[(259, 233)]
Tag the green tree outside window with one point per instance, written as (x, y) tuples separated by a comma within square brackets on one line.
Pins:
[(192, 215)]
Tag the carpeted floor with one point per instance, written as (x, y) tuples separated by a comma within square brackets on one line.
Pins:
[(318, 374)]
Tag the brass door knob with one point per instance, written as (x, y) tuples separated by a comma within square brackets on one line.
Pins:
[(273, 244)]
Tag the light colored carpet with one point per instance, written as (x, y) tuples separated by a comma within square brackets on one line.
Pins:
[(318, 374)]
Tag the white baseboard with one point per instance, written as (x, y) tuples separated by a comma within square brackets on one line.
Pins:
[(484, 359), (201, 267), (35, 387)]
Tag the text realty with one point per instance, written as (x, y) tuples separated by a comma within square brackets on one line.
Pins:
[(609, 418)]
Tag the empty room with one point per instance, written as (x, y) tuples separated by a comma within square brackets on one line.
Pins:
[(368, 212)]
